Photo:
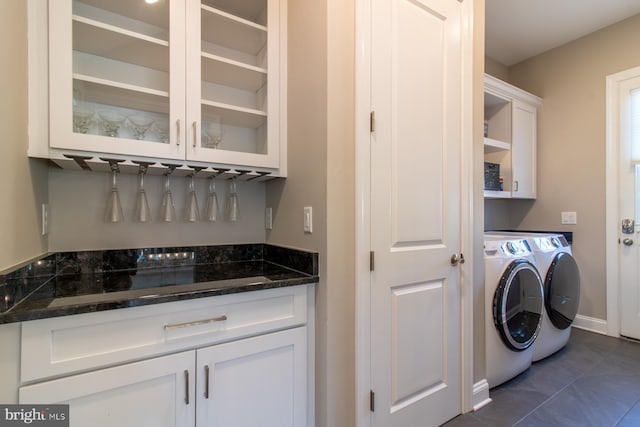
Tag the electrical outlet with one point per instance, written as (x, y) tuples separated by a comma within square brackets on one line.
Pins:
[(568, 218), (268, 219), (308, 220)]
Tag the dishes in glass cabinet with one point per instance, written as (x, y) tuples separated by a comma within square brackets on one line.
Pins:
[(111, 122), (161, 129), (82, 120), (212, 134), (139, 125)]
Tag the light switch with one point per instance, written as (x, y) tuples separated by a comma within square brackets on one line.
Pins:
[(45, 219), (268, 219), (568, 218), (308, 220)]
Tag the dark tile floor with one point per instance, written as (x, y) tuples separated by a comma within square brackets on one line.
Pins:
[(593, 381)]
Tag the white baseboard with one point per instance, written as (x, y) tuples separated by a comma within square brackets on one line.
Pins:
[(480, 394), (590, 324)]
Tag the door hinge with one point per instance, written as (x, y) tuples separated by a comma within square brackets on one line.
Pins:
[(371, 261), (372, 401), (372, 121)]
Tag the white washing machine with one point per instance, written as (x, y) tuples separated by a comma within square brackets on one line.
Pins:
[(513, 307), (561, 279)]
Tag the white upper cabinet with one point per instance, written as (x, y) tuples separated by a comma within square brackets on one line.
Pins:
[(510, 141), (195, 81)]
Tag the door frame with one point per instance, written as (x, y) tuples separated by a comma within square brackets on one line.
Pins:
[(612, 214), (363, 214)]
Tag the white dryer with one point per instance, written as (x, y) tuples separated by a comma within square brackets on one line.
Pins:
[(513, 307), (561, 292), (561, 279)]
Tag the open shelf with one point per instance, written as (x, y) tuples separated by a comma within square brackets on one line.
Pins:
[(490, 194), (492, 145)]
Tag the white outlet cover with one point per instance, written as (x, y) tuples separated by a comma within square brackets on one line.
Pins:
[(568, 218)]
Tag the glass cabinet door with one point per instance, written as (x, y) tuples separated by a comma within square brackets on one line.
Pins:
[(117, 77), (232, 106)]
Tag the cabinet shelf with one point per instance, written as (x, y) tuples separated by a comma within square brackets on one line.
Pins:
[(493, 145), (108, 41), (231, 31), (108, 92), (491, 194), (227, 72), (234, 115)]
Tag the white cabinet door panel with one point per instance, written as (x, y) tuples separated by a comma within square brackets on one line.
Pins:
[(152, 393), (255, 382)]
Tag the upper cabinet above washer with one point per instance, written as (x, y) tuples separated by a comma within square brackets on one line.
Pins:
[(510, 141), (197, 81)]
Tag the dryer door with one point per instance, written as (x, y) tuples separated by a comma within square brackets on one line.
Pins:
[(562, 290), (517, 305)]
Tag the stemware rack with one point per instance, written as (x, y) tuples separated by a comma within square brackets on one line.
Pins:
[(160, 167)]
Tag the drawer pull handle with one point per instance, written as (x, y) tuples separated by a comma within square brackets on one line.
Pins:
[(186, 387), (206, 381), (196, 323)]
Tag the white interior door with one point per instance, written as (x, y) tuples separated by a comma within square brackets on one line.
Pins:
[(415, 211), (629, 197)]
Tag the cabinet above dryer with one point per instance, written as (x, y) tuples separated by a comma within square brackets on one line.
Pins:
[(510, 116)]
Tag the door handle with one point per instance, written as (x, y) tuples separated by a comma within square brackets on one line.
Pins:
[(627, 241), (457, 259)]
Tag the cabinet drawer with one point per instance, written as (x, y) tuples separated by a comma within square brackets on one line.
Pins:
[(54, 347)]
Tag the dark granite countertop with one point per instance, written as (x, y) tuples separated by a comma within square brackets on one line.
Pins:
[(84, 282)]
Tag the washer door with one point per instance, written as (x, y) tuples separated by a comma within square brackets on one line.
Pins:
[(562, 290), (517, 305)]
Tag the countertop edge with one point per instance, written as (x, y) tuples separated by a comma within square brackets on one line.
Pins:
[(44, 313)]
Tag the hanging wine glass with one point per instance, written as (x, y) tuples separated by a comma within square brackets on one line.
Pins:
[(143, 213), (211, 207), (191, 209), (232, 208), (114, 207), (168, 210)]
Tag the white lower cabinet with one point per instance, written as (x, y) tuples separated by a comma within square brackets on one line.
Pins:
[(239, 360), (254, 382), (151, 393)]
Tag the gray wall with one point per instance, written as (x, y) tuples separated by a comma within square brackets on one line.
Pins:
[(23, 182), (321, 175), (571, 144), (78, 201)]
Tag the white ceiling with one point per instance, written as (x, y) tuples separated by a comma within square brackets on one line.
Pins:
[(519, 29)]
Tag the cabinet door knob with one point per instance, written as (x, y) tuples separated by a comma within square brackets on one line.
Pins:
[(515, 185)]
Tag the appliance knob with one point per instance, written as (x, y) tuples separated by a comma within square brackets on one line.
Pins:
[(511, 248)]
